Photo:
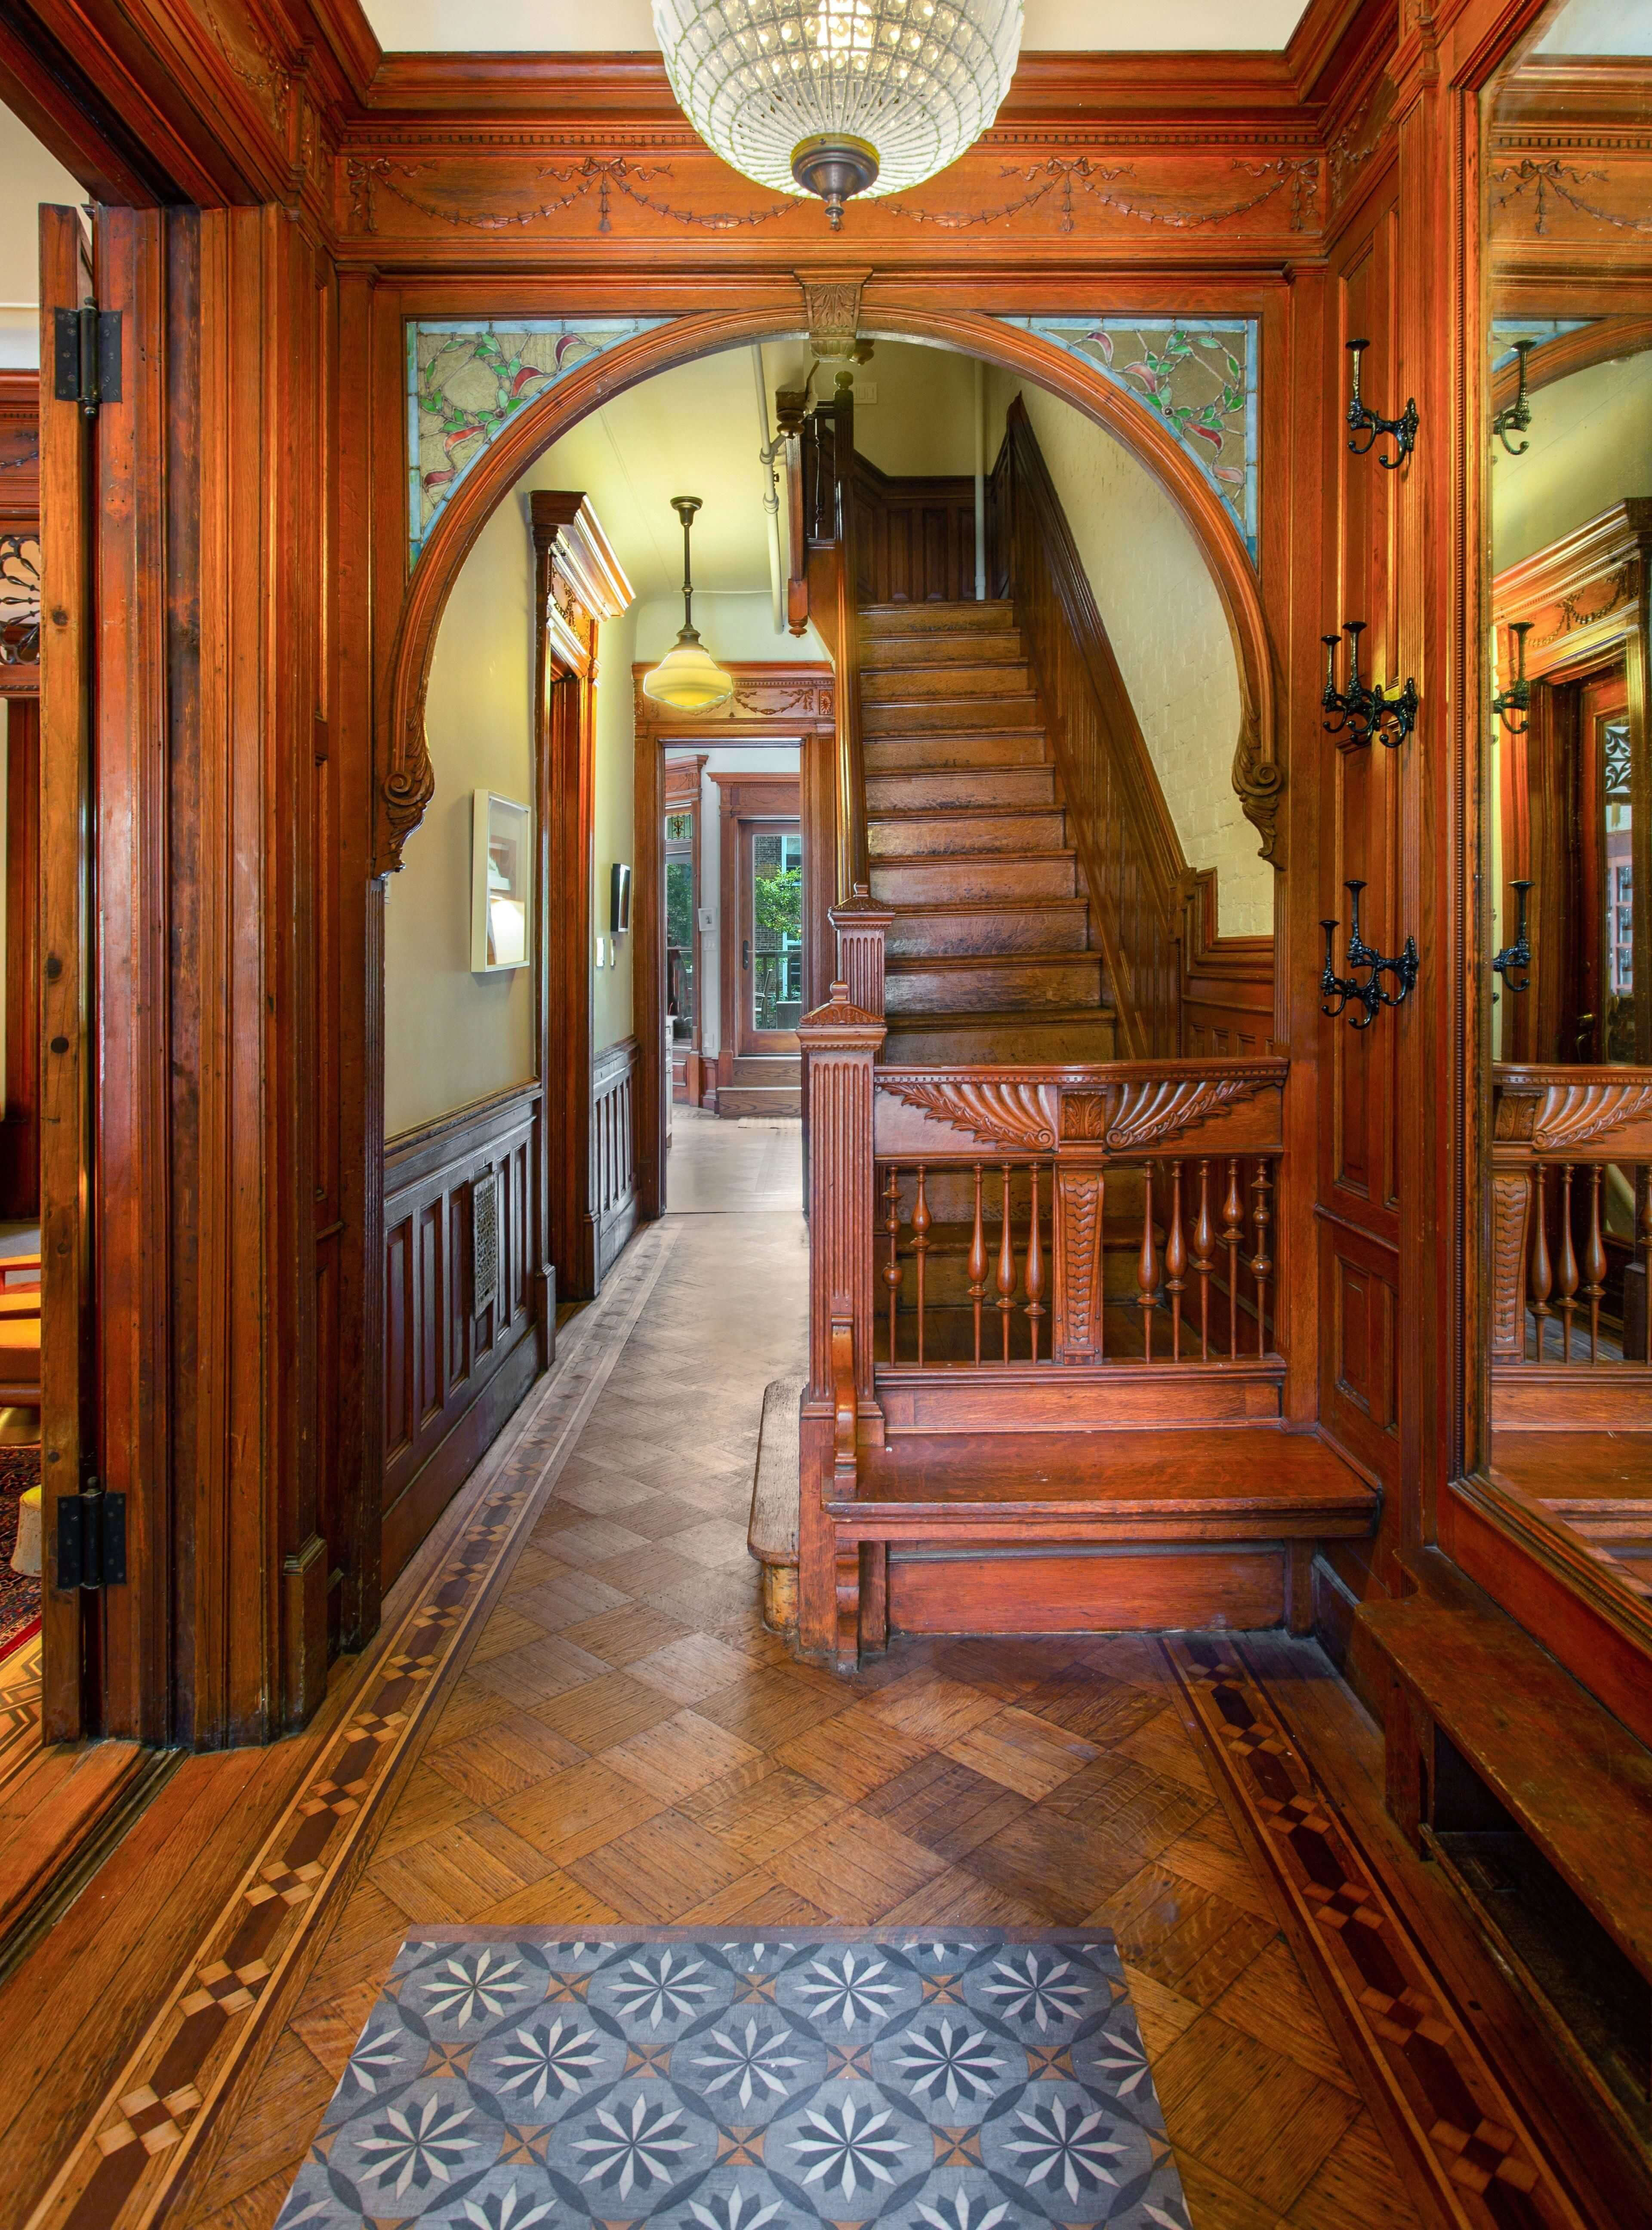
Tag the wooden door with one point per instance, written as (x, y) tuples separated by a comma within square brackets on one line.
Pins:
[(769, 966)]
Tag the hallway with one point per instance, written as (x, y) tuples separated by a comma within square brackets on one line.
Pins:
[(627, 1743)]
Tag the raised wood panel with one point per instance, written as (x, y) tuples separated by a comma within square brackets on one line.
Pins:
[(20, 1126), (916, 537), (1084, 1590), (1226, 983), (453, 1372), (1359, 1346), (614, 1076)]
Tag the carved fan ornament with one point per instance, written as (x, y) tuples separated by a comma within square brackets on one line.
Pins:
[(1573, 1114), (997, 1114)]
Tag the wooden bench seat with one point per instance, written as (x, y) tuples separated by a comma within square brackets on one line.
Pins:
[(1085, 1532), (1504, 1767), (1254, 1484)]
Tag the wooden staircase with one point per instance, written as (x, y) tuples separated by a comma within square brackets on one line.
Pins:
[(992, 957), (763, 1084)]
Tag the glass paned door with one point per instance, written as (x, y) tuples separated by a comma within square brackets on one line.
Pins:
[(771, 953), (1618, 835)]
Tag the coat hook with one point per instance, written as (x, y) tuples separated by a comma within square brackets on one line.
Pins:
[(1512, 706), (1517, 955), (1364, 712), (1515, 417), (1366, 420), (1369, 996)]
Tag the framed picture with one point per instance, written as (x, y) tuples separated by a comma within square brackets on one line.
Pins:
[(501, 882), (619, 899)]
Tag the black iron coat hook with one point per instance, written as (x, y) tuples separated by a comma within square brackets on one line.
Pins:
[(1364, 712), (1403, 429), (1515, 417), (1517, 955), (1369, 995), (1513, 705)]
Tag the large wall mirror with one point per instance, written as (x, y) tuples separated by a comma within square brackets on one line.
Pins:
[(1568, 797)]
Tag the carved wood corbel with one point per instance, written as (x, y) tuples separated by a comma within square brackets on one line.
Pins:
[(832, 311), (1259, 783)]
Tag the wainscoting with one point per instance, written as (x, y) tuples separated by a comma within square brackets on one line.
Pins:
[(457, 1357), (613, 1148), (1226, 986)]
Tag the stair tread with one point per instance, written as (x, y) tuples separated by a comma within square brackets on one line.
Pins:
[(1145, 1471), (988, 1018), (919, 964)]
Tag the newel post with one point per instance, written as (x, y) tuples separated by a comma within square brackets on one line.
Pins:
[(862, 927), (841, 1041)]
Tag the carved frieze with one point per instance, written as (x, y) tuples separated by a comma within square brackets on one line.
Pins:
[(1147, 1114), (998, 1112)]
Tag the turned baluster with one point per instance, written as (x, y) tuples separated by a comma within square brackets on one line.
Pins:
[(1261, 1269), (1147, 1263), (1566, 1280), (1006, 1301), (921, 1220), (1035, 1276), (1542, 1276), (1233, 1208), (978, 1265), (1176, 1261), (892, 1269), (1204, 1258), (1594, 1261)]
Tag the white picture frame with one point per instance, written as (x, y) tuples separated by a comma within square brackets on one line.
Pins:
[(501, 884)]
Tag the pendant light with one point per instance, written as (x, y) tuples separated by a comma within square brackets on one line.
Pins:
[(839, 97), (687, 677)]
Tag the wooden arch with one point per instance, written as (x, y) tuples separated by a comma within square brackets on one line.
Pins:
[(407, 783)]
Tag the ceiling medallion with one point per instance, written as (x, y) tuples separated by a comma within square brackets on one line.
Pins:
[(839, 97)]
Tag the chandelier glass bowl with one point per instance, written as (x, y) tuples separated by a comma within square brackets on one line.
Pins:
[(838, 97)]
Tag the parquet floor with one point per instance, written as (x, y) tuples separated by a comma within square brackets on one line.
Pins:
[(626, 1743)]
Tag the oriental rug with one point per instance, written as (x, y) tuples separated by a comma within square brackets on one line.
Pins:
[(19, 1592), (970, 2080)]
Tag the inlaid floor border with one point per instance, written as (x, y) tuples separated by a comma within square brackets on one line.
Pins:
[(132, 2156), (1476, 2150)]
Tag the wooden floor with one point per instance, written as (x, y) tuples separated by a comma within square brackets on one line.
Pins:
[(626, 1743)]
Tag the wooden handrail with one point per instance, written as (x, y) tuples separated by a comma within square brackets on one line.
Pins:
[(824, 502), (1121, 828)]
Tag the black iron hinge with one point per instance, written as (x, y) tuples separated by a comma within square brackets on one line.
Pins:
[(87, 368), (91, 1539)]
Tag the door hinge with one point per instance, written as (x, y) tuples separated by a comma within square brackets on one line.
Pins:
[(87, 366), (91, 1539)]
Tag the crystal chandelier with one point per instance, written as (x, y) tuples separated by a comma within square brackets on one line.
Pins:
[(687, 677), (839, 97)]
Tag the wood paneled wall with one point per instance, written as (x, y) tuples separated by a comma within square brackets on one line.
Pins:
[(613, 1148), (455, 1372), (1226, 983), (915, 536)]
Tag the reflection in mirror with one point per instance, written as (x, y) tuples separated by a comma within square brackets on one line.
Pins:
[(1568, 802)]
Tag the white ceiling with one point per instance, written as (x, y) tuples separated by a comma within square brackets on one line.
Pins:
[(1599, 27), (627, 26)]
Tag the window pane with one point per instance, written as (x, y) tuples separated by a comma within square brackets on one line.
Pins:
[(679, 947), (680, 828), (776, 922)]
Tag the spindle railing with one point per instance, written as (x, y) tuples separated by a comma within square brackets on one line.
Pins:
[(1571, 1222), (1176, 1246)]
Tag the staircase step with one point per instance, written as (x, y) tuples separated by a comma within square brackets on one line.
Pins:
[(967, 829), (969, 646), (918, 790), (767, 1068), (936, 618), (1055, 1033), (916, 716), (1044, 925), (957, 983), (1256, 1482), (980, 747), (760, 1100), (960, 877), (924, 684)]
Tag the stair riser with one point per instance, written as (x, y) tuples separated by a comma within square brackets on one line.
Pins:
[(933, 791), (943, 683), (898, 754), (972, 647), (1089, 1403), (915, 837), (751, 1099), (948, 715), (1021, 985), (760, 1068), (940, 619), (932, 881), (1039, 928), (958, 1041)]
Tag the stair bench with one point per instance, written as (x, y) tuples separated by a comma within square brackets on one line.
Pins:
[(1537, 1805), (1046, 1385)]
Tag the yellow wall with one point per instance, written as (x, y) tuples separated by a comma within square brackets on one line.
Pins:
[(1591, 445), (1165, 621), (923, 420), (613, 819)]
